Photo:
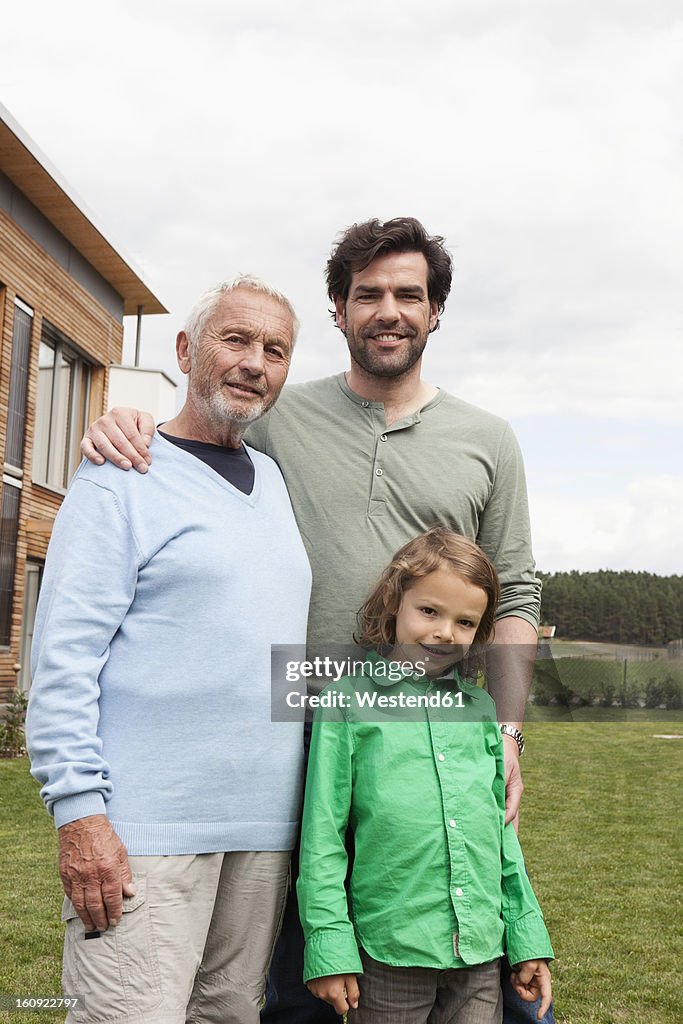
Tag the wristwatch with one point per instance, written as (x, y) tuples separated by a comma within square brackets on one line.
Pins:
[(517, 736)]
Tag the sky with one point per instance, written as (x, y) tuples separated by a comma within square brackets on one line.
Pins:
[(541, 138)]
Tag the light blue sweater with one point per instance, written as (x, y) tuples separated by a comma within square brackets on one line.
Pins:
[(150, 702)]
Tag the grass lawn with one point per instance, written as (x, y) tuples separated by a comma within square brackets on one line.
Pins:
[(30, 894), (600, 833)]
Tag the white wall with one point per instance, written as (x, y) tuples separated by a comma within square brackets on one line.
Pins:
[(150, 390)]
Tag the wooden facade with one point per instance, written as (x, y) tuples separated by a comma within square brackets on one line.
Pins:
[(55, 284)]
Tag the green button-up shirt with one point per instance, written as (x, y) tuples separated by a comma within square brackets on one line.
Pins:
[(438, 880)]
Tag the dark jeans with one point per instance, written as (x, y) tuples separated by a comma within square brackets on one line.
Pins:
[(288, 1001)]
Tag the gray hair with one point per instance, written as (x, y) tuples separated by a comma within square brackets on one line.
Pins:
[(206, 304)]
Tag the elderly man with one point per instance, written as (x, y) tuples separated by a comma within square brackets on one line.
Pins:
[(371, 458), (175, 796)]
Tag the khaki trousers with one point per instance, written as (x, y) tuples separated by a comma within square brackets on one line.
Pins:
[(193, 945)]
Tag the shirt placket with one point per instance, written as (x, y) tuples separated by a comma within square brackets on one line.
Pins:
[(451, 803), (384, 462)]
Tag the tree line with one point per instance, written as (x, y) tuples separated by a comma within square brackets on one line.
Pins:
[(615, 607)]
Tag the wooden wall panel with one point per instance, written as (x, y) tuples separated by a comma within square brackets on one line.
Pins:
[(28, 272)]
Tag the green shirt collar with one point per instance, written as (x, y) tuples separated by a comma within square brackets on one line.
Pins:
[(451, 680)]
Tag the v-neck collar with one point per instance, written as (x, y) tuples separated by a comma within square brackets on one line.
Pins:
[(250, 499)]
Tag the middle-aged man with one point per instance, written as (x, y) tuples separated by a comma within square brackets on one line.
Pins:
[(175, 796), (371, 458)]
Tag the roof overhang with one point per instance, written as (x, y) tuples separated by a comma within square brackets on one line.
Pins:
[(32, 173)]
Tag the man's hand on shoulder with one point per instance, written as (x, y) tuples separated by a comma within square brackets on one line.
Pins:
[(121, 436), (93, 865)]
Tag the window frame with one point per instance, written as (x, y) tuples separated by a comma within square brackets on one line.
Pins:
[(66, 352), (17, 398), (13, 472)]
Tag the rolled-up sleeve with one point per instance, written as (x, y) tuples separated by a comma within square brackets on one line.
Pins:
[(505, 535)]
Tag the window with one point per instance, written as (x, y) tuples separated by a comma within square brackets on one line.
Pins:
[(9, 524), (61, 409), (18, 384), (14, 457), (34, 572)]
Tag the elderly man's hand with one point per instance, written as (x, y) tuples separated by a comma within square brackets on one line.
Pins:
[(93, 865), (122, 436)]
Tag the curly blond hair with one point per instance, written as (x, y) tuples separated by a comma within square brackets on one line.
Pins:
[(438, 548)]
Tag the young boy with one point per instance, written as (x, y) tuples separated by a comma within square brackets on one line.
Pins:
[(438, 889)]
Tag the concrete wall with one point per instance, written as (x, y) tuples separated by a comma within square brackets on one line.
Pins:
[(150, 390)]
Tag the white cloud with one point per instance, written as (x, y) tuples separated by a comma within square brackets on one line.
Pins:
[(637, 528)]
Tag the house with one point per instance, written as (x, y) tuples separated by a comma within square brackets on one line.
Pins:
[(64, 290)]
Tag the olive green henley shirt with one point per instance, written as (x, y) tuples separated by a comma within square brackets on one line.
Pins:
[(360, 490)]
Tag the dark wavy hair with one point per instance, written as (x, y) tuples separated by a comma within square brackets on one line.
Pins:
[(438, 548), (360, 244)]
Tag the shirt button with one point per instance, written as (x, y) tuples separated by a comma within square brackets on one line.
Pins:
[(458, 892), (379, 472), (452, 822), (382, 437), (441, 757), (365, 404)]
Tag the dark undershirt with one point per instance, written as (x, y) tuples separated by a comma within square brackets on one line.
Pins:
[(233, 464)]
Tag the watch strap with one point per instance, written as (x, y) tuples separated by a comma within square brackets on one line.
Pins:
[(517, 736)]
